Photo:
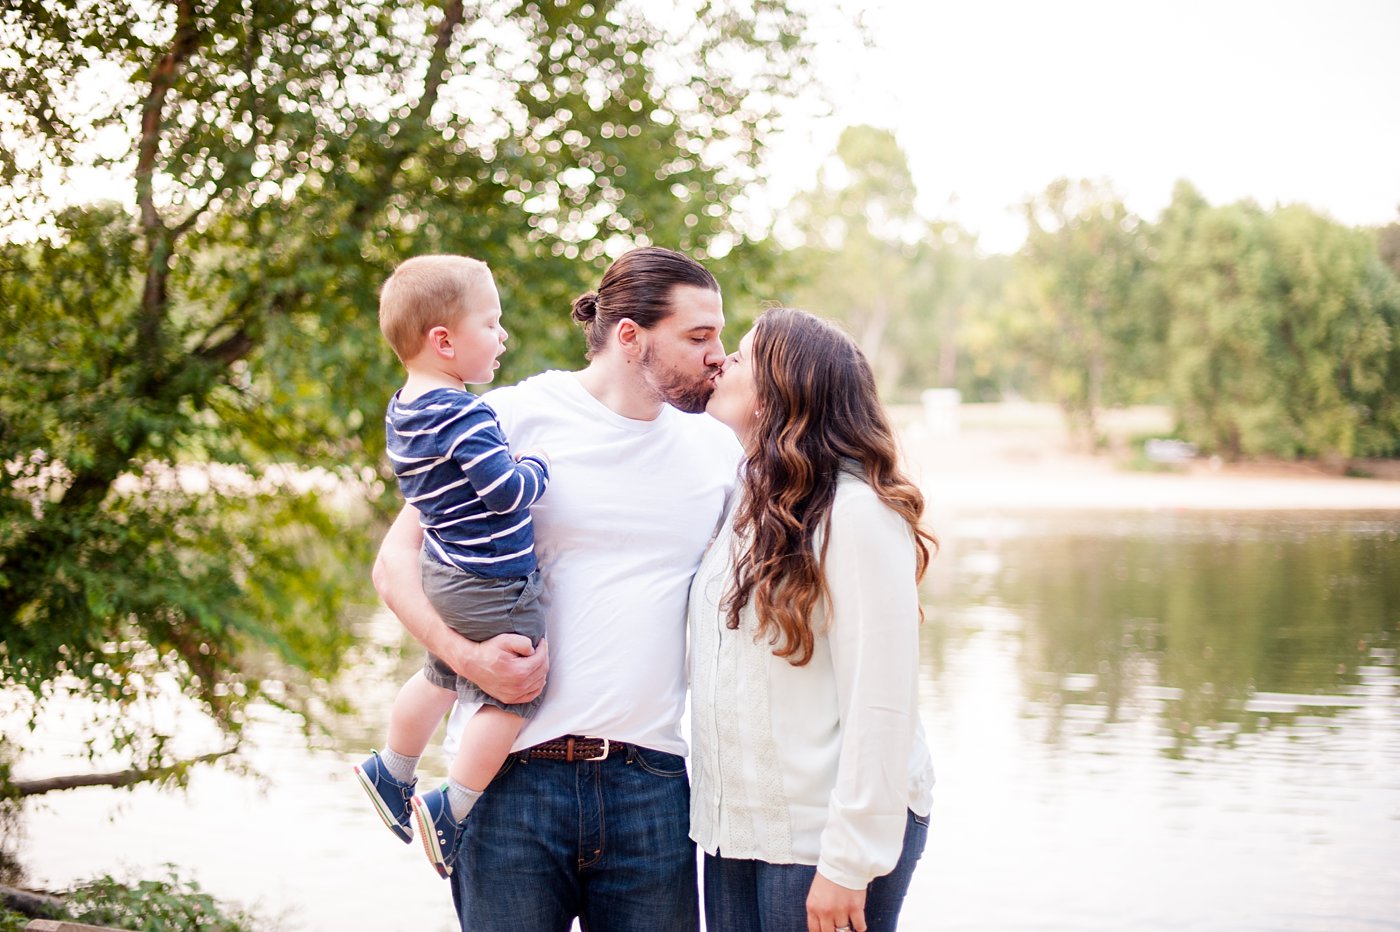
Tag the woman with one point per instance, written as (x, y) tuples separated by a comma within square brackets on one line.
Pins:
[(811, 779)]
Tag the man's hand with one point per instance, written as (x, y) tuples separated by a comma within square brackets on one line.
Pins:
[(831, 906), (505, 666)]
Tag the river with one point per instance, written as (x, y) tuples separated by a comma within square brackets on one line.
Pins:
[(1140, 720)]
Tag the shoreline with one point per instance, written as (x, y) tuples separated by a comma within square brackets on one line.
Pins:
[(1017, 457)]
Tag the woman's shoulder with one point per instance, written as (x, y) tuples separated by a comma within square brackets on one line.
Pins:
[(870, 542), (857, 502), (852, 489)]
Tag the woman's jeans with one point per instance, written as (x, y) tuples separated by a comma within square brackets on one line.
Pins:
[(755, 896), (605, 841)]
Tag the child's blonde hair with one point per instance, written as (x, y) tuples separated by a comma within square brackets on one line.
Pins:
[(425, 292)]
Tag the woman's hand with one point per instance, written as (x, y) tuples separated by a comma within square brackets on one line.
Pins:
[(831, 906)]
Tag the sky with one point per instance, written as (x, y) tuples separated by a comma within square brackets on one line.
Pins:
[(1281, 102)]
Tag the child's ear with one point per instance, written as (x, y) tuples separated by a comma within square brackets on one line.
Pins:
[(441, 341)]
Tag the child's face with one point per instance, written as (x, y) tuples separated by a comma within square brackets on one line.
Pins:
[(478, 337)]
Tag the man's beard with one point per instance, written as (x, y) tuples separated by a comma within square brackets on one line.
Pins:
[(677, 390)]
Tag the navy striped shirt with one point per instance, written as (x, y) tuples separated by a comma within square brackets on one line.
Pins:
[(454, 466)]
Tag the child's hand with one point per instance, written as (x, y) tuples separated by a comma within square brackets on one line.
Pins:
[(537, 454)]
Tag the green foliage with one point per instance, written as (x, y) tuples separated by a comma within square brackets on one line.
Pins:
[(1081, 313), (990, 366), (168, 905), (11, 921), (1271, 332), (859, 240), (904, 287), (126, 564), (1283, 332), (191, 404), (1388, 243)]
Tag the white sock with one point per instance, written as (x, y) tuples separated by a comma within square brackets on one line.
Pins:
[(400, 766), (460, 799)]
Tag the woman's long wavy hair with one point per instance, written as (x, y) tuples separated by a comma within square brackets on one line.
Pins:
[(818, 413)]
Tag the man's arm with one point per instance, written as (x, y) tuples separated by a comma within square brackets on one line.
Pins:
[(506, 666)]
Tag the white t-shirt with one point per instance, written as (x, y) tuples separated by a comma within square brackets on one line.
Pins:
[(630, 508)]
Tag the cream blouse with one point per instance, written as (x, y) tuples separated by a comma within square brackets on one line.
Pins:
[(813, 764)]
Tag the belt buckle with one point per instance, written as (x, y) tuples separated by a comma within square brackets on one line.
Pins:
[(607, 747)]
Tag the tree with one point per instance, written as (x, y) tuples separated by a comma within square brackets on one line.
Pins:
[(194, 379), (1388, 241), (990, 365), (866, 257), (1081, 312), (859, 235), (1283, 331)]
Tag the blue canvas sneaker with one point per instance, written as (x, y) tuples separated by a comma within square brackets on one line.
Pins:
[(390, 797), (440, 833)]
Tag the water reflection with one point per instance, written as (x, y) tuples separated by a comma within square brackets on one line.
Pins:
[(1140, 721), (1220, 625), (1202, 708)]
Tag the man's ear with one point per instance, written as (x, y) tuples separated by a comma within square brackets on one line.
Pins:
[(630, 337), (440, 339)]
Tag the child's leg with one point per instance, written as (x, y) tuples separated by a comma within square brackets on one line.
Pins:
[(486, 740), (387, 775), (417, 712)]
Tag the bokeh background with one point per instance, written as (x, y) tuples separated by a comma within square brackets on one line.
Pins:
[(1129, 275)]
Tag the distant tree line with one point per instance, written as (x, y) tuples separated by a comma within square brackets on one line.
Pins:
[(1268, 332)]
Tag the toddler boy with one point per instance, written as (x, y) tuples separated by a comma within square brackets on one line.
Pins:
[(442, 316)]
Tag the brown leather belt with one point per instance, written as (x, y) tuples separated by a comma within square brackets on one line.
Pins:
[(573, 749)]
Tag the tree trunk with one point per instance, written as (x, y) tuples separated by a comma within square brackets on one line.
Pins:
[(23, 788), (29, 903)]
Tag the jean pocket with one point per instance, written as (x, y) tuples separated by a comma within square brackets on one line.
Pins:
[(919, 819), (659, 762)]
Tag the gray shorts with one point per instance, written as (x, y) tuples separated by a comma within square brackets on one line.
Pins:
[(479, 608)]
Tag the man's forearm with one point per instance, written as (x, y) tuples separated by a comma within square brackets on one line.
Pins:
[(399, 583), (504, 668)]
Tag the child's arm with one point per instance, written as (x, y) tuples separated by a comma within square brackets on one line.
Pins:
[(505, 666), (505, 484)]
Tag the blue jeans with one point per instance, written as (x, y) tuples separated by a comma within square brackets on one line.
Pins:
[(755, 896), (607, 842)]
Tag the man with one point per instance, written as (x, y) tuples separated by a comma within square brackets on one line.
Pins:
[(589, 818)]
